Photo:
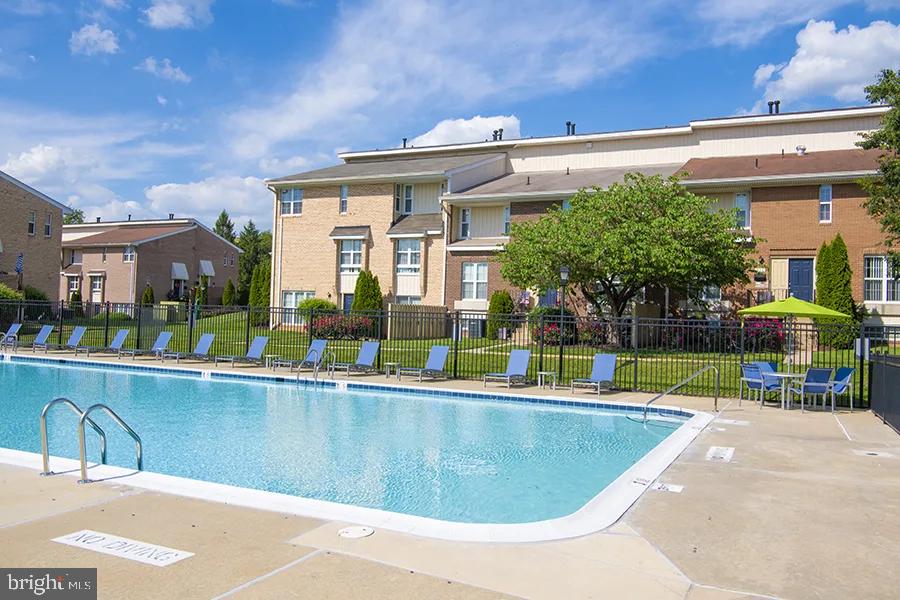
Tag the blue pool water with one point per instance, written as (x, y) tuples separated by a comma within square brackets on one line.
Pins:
[(456, 459)]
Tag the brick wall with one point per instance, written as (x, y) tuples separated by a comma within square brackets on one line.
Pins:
[(117, 280), (41, 253)]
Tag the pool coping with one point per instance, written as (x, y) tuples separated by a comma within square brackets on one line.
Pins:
[(601, 511)]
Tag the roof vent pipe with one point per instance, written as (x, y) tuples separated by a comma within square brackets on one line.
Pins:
[(129, 217), (568, 127), (98, 219), (573, 127), (801, 150), (500, 134), (496, 135), (777, 107), (771, 107), (171, 216), (404, 142), (567, 170), (528, 180)]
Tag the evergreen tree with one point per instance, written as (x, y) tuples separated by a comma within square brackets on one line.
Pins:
[(834, 290), (249, 242), (147, 297), (822, 266), (254, 285), (224, 226), (367, 294), (499, 309), (228, 294)]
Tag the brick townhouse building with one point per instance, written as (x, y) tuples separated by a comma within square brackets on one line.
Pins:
[(114, 261), (430, 220), (31, 227)]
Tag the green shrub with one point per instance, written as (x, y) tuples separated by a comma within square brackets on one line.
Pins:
[(147, 297), (7, 293), (551, 323), (317, 305), (367, 296), (114, 317), (500, 308), (834, 290), (32, 293), (228, 294)]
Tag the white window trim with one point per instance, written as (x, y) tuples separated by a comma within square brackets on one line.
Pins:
[(465, 223), (351, 267), (408, 300), (748, 222), (409, 268), (96, 279), (32, 223), (408, 198), (506, 219), (48, 226), (344, 195), (74, 283), (829, 203), (294, 202), (883, 280), (474, 282), (129, 254), (225, 259)]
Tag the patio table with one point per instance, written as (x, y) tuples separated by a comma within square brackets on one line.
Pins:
[(785, 378)]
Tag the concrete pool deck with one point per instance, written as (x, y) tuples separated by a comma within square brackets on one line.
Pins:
[(801, 511)]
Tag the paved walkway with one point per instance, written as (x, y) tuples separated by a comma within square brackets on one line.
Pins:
[(803, 510)]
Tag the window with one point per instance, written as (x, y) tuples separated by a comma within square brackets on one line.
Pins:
[(711, 293), (408, 300), (290, 299), (351, 256), (103, 254), (567, 204), (225, 260), (74, 284), (407, 199), (96, 283), (505, 220), (474, 281), (344, 193), (465, 221), (825, 203), (128, 254), (178, 288), (742, 204), (47, 225), (292, 201), (879, 284), (74, 257), (408, 256), (32, 219), (231, 261)]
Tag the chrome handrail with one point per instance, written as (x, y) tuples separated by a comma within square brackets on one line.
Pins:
[(684, 382), (327, 364), (138, 446), (45, 447), (315, 363)]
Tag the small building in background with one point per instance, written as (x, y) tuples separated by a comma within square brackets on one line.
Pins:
[(115, 261), (30, 237)]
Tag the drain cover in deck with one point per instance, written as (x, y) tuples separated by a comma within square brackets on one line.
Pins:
[(354, 533)]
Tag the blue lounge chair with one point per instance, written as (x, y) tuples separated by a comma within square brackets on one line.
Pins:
[(11, 337), (74, 342), (40, 340), (434, 366), (254, 354), (115, 347), (602, 373), (817, 382), (157, 349), (365, 360), (201, 350), (515, 369), (840, 385), (314, 358)]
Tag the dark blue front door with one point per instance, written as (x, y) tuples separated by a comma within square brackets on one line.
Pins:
[(348, 302), (800, 278)]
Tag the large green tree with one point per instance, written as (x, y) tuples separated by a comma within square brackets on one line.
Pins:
[(834, 290), (74, 217), (224, 227), (249, 242), (884, 191), (642, 232)]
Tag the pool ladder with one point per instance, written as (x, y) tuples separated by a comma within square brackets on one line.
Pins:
[(83, 419), (318, 364), (683, 383)]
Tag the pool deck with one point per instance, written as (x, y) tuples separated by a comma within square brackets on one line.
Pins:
[(803, 510)]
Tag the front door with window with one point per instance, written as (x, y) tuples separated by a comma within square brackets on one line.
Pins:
[(96, 289), (800, 278), (348, 302)]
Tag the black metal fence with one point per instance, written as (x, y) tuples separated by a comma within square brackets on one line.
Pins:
[(885, 389), (653, 354)]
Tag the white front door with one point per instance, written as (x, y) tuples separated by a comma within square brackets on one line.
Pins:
[(96, 289)]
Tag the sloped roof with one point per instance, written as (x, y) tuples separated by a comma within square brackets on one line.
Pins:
[(435, 166), (357, 231), (769, 165), (413, 224), (124, 236)]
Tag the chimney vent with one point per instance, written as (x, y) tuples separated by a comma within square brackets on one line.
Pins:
[(573, 127), (777, 107), (568, 127), (801, 150), (129, 217), (404, 142), (500, 134), (771, 107), (528, 180), (171, 216), (495, 135), (757, 163), (567, 170), (98, 219)]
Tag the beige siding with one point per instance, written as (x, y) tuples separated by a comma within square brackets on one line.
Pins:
[(470, 177), (426, 198), (487, 221)]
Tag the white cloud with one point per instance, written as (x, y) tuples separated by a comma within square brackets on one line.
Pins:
[(114, 4), (90, 40), (164, 69), (833, 62), (162, 100), (179, 14), (273, 166), (243, 197), (476, 129), (367, 79), (29, 8), (764, 73)]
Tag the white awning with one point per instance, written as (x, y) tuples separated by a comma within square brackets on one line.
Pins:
[(179, 271), (206, 268)]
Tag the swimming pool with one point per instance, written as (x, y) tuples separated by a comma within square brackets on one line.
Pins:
[(465, 459)]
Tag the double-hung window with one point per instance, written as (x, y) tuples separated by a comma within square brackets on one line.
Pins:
[(825, 203), (742, 204), (103, 254), (32, 222), (292, 201), (879, 284), (128, 254), (408, 256), (403, 198), (711, 293), (465, 223), (225, 259), (505, 220), (345, 191), (231, 260), (290, 300), (351, 256), (48, 225), (474, 281)]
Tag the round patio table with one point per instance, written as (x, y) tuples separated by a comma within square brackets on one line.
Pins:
[(785, 378)]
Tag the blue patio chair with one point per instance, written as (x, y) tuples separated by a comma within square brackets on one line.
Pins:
[(254, 354), (115, 347), (516, 368), (755, 381), (434, 366), (314, 358), (365, 360), (157, 350), (11, 337), (40, 340), (602, 373), (201, 350), (74, 342), (817, 382), (840, 385)]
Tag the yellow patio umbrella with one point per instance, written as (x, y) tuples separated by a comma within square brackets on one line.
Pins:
[(790, 307)]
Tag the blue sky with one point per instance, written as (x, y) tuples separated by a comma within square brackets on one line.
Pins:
[(155, 106)]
